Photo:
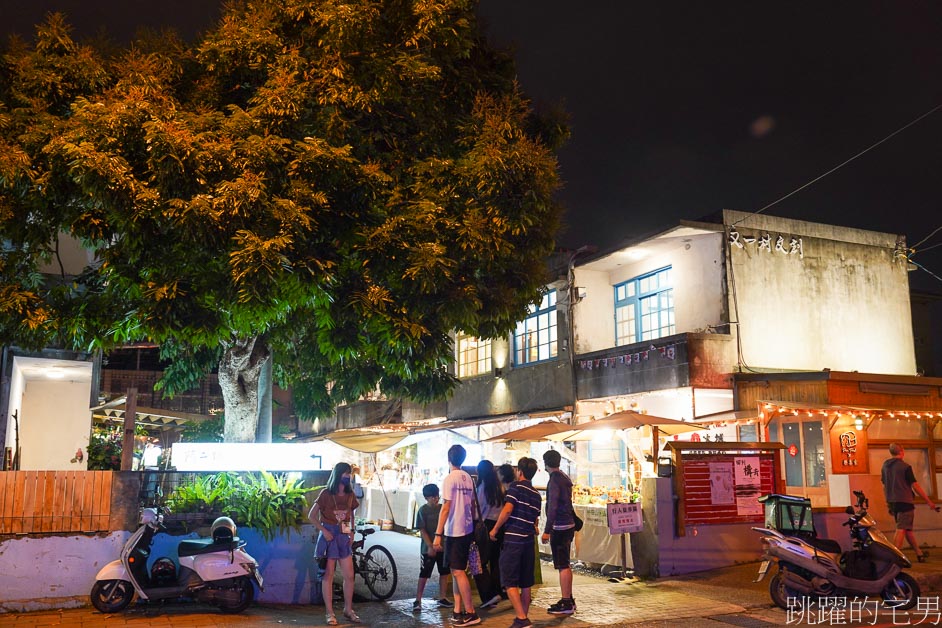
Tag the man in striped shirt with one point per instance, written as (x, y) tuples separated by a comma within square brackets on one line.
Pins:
[(518, 554)]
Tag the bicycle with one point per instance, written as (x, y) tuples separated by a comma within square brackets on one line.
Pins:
[(376, 566)]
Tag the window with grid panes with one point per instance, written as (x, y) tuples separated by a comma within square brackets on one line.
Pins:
[(535, 336), (474, 355), (644, 308)]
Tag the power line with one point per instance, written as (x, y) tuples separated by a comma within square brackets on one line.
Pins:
[(928, 248), (939, 228), (921, 267), (841, 165)]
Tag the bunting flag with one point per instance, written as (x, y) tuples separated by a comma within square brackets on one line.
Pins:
[(669, 352)]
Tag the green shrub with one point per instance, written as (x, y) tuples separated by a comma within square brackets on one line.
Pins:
[(269, 503), (208, 493), (105, 446)]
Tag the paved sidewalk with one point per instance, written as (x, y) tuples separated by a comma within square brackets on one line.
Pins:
[(716, 599)]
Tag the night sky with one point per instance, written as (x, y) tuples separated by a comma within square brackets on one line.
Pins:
[(680, 109)]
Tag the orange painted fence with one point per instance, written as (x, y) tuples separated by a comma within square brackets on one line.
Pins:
[(54, 501)]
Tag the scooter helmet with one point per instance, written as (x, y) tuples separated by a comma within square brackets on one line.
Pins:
[(163, 572), (223, 530)]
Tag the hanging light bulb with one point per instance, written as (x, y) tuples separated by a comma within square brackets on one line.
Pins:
[(858, 422)]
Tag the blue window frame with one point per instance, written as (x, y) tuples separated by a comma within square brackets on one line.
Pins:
[(535, 336), (644, 308)]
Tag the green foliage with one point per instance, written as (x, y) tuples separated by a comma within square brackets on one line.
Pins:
[(209, 431), (104, 450), (270, 503), (105, 445), (281, 434), (208, 493), (348, 181)]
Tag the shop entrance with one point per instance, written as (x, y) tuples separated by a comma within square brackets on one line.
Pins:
[(806, 456)]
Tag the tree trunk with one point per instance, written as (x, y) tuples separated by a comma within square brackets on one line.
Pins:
[(239, 371), (263, 433)]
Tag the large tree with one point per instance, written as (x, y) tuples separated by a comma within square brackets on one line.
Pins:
[(337, 183)]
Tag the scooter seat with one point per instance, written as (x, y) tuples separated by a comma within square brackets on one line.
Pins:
[(196, 547), (825, 545)]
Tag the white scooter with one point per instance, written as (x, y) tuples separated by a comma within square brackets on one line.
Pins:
[(811, 568), (215, 571)]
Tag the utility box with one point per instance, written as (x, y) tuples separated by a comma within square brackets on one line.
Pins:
[(788, 514)]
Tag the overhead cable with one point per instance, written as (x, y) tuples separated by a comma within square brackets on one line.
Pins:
[(939, 228), (921, 267), (841, 165)]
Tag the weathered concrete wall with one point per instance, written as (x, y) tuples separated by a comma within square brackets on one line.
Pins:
[(125, 500), (59, 571), (53, 571), (841, 303), (543, 386), (712, 360)]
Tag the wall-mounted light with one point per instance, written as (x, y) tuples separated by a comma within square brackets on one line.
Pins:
[(499, 373), (580, 293), (858, 422)]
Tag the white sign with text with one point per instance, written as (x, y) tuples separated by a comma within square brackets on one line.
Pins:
[(624, 518)]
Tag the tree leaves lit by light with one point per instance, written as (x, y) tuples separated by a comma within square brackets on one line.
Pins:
[(337, 184)]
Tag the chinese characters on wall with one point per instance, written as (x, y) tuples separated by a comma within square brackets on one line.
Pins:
[(764, 243)]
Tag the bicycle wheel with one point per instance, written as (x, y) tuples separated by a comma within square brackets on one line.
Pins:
[(379, 572)]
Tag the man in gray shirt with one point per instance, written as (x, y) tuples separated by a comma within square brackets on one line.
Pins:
[(899, 482)]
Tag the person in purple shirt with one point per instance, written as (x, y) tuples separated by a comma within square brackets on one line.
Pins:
[(518, 553)]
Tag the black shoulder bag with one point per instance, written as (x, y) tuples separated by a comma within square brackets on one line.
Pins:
[(481, 534)]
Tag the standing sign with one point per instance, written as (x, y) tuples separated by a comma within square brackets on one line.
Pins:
[(624, 518)]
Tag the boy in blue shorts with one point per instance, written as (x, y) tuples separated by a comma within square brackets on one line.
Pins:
[(518, 555), (426, 521)]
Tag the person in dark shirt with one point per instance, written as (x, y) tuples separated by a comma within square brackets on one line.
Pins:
[(426, 522), (559, 530), (518, 553), (507, 475), (490, 496), (899, 482)]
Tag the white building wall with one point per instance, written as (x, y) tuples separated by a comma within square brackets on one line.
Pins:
[(842, 304), (54, 423), (73, 255), (594, 316), (696, 262)]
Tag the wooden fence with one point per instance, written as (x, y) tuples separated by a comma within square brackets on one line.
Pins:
[(54, 501)]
